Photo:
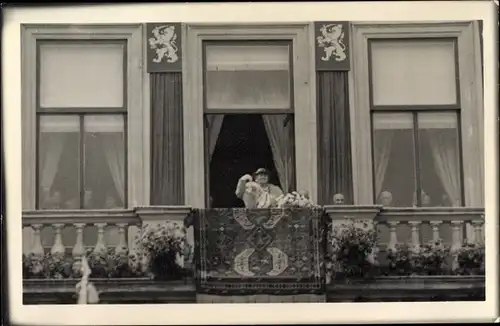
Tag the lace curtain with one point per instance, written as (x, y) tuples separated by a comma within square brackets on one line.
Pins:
[(280, 133)]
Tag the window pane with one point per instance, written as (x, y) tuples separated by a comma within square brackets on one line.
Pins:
[(105, 179), (439, 159), (59, 161), (394, 159), (247, 77), (413, 72), (81, 75)]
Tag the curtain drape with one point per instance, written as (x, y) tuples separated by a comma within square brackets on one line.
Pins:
[(280, 134), (51, 155), (214, 126), (446, 162), (382, 146), (114, 151), (334, 142), (167, 170)]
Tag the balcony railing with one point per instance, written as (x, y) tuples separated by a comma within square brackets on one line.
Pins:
[(117, 228)]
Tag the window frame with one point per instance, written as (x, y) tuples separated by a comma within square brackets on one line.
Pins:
[(302, 38), (275, 42), (136, 123), (470, 92)]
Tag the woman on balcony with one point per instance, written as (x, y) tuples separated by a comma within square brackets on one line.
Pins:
[(261, 178)]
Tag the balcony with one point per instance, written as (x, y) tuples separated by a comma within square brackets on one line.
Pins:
[(117, 228)]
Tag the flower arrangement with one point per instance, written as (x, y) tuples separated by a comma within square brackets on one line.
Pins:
[(294, 199), (163, 246), (430, 258), (351, 244), (470, 259), (426, 259), (104, 264), (33, 266)]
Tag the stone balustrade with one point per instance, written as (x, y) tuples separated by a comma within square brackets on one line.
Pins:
[(64, 229), (117, 228), (415, 226)]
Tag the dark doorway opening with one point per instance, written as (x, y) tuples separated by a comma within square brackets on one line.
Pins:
[(242, 147)]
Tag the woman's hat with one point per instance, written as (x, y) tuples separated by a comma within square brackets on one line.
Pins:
[(261, 171)]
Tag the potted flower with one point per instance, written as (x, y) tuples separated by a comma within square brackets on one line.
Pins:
[(400, 260), (123, 265), (98, 263), (58, 266), (430, 258), (470, 258), (350, 245), (33, 266), (163, 246)]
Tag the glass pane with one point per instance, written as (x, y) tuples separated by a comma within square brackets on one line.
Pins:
[(81, 75), (394, 159), (105, 179), (247, 77), (439, 159), (413, 72), (59, 161)]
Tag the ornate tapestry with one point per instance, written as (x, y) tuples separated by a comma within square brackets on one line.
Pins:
[(259, 251)]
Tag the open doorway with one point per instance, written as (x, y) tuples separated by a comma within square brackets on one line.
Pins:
[(242, 147)]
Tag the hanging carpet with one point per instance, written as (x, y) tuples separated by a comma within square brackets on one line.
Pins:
[(249, 252)]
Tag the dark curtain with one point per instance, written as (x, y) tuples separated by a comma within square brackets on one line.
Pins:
[(167, 165), (334, 142)]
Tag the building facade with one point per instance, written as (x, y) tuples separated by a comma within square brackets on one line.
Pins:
[(159, 116)]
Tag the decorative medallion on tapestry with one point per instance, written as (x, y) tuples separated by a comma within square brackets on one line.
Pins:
[(259, 251), (332, 46), (164, 47)]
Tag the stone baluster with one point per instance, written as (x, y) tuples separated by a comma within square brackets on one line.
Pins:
[(435, 229), (121, 248), (100, 246), (455, 242), (415, 233), (393, 237), (37, 242), (58, 247), (79, 248), (478, 232)]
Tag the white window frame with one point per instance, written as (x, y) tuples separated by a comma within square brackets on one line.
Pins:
[(302, 36), (471, 93), (137, 103)]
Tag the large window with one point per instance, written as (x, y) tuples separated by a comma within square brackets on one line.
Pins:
[(415, 115), (81, 124)]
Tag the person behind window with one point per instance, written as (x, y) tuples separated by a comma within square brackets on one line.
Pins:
[(71, 203), (111, 202), (338, 199), (55, 200), (87, 199), (385, 198), (426, 200)]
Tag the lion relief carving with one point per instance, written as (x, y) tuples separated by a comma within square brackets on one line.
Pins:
[(332, 42), (164, 44)]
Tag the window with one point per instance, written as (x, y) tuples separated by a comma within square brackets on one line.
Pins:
[(240, 69), (81, 122), (248, 76), (415, 116)]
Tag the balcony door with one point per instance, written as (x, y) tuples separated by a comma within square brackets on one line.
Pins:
[(249, 103), (248, 113)]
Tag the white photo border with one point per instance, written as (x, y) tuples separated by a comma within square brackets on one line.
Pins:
[(182, 314)]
